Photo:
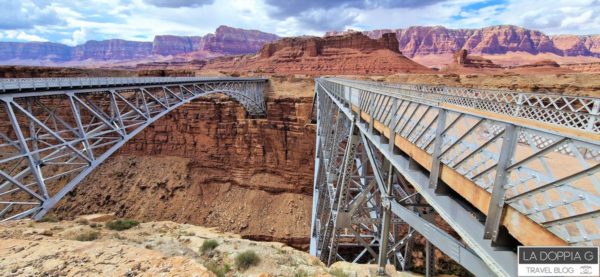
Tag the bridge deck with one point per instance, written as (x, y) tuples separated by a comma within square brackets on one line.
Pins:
[(41, 84), (526, 162)]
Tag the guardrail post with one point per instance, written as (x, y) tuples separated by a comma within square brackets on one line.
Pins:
[(496, 206), (520, 101), (593, 116)]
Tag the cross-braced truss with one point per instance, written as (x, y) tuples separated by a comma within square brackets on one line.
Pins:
[(54, 132), (495, 165)]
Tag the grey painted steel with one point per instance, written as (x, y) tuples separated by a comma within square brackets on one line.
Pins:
[(37, 84), (550, 177), (496, 207), (50, 138), (578, 112)]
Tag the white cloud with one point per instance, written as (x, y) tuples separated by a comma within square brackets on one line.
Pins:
[(560, 16), (138, 20), (78, 37), (20, 36)]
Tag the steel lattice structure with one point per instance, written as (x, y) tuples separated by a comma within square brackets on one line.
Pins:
[(54, 132), (495, 165)]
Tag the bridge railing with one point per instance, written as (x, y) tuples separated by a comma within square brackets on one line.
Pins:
[(545, 172), (20, 84), (577, 112)]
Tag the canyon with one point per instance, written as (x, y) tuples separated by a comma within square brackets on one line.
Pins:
[(431, 46), (225, 41), (209, 164), (435, 45)]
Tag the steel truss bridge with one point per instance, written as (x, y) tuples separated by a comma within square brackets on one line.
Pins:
[(501, 168), (54, 132)]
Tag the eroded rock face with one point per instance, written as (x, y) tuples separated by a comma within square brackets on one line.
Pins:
[(235, 41), (172, 45), (427, 40), (225, 41), (207, 164), (34, 51), (114, 49), (353, 53), (462, 58)]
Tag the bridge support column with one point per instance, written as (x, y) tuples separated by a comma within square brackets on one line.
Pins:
[(385, 229)]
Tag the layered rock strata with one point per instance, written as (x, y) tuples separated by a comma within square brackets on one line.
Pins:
[(225, 41), (207, 164), (427, 40), (353, 53)]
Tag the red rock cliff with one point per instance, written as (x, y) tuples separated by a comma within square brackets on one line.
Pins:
[(352, 53), (426, 40), (114, 49), (225, 41), (207, 164), (235, 41)]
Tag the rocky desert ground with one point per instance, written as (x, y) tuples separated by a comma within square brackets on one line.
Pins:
[(88, 246)]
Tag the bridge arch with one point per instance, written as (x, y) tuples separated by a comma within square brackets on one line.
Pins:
[(55, 132)]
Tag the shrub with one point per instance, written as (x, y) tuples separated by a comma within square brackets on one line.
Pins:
[(88, 236), (246, 259), (338, 272), (82, 221), (217, 270), (208, 245), (300, 273), (121, 224), (49, 218)]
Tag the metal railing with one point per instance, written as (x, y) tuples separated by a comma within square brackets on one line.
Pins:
[(547, 175), (577, 112), (20, 84)]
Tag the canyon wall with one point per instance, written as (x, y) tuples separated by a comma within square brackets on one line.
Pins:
[(426, 40), (206, 163), (225, 41), (353, 53), (114, 49)]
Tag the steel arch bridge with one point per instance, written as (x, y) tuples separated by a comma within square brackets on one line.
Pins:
[(54, 132), (502, 168)]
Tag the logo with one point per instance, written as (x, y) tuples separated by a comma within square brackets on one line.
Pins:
[(558, 261)]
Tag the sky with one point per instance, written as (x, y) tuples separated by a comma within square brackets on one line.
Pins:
[(73, 22)]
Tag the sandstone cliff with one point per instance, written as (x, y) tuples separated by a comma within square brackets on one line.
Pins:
[(426, 40), (225, 41), (14, 51), (114, 49), (509, 45), (173, 45), (206, 163), (462, 58), (353, 53), (234, 41)]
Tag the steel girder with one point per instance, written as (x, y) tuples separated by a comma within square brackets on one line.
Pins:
[(50, 138), (547, 173)]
